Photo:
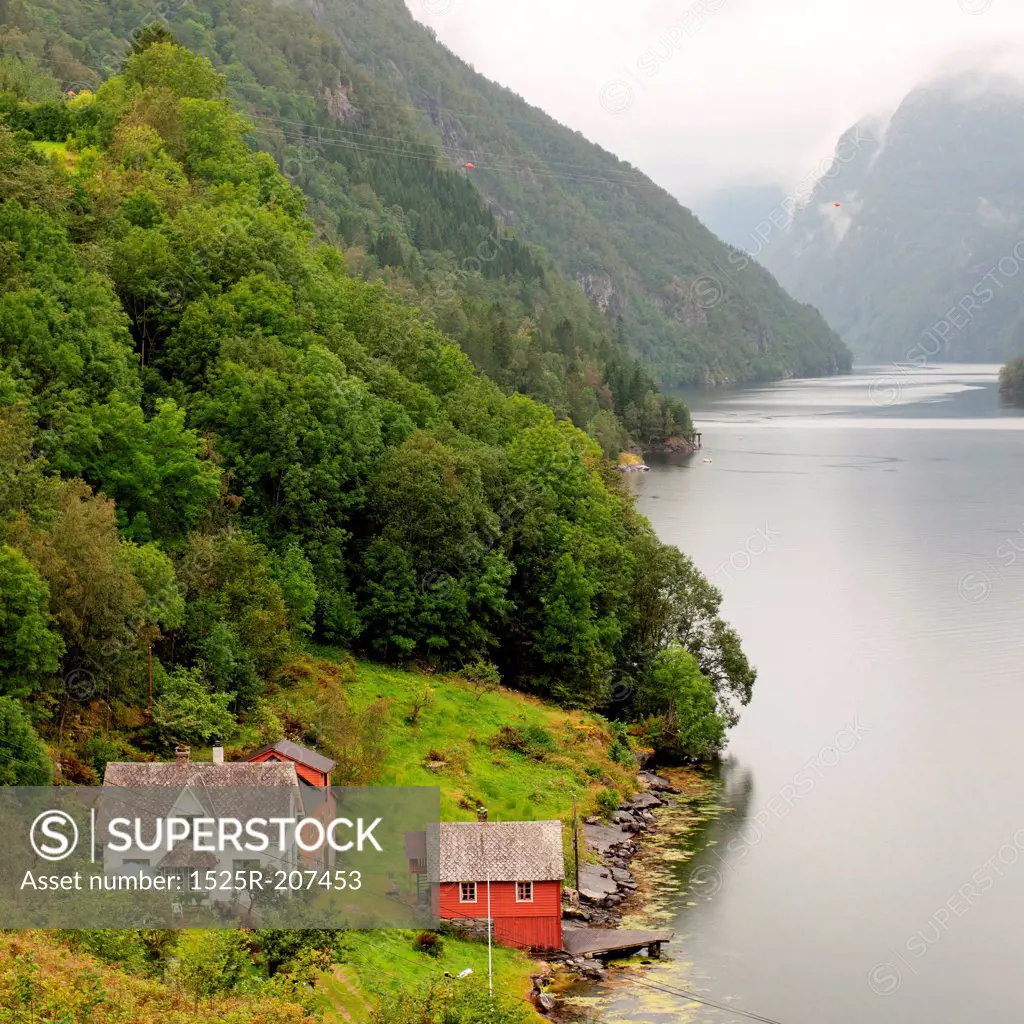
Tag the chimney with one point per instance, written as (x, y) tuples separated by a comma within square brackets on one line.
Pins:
[(218, 755), (181, 755), (481, 814)]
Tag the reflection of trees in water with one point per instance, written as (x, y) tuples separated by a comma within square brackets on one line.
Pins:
[(707, 871)]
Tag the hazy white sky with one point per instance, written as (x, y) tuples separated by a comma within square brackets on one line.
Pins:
[(708, 94)]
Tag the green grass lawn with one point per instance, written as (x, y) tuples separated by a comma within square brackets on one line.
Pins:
[(379, 962)]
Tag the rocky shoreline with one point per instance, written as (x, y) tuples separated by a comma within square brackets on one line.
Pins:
[(605, 886)]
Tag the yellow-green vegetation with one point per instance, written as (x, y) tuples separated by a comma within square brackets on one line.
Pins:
[(514, 754), (42, 980), (630, 459), (58, 151), (377, 963)]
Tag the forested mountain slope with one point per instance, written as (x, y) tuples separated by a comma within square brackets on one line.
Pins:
[(215, 442), (922, 258), (360, 106)]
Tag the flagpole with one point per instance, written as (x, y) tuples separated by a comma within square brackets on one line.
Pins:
[(490, 971)]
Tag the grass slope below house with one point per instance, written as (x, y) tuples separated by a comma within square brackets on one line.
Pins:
[(377, 963), (44, 982)]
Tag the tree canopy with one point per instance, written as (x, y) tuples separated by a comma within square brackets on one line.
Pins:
[(225, 445)]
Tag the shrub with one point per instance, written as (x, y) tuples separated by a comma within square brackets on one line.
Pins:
[(430, 943), (607, 802), (619, 751), (533, 740)]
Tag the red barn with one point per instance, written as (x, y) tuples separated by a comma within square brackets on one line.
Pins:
[(515, 867), (311, 767)]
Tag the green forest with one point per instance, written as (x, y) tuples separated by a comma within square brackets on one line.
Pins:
[(218, 445), (222, 447)]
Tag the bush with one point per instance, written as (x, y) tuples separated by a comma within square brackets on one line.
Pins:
[(533, 740), (620, 753), (23, 758), (608, 801), (187, 712), (429, 943)]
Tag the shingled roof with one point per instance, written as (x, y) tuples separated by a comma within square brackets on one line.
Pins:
[(151, 789), (171, 773), (504, 851), (300, 754)]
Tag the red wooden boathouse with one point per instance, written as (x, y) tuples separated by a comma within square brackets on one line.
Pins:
[(517, 865)]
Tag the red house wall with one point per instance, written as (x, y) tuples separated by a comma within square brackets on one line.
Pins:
[(537, 924), (304, 772)]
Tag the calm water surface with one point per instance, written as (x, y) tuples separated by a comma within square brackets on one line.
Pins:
[(868, 536)]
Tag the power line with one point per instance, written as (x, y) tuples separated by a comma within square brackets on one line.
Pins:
[(563, 170)]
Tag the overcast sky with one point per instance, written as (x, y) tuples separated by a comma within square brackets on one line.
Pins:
[(708, 94)]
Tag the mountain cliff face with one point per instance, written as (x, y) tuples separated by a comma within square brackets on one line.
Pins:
[(920, 260), (686, 311), (377, 121)]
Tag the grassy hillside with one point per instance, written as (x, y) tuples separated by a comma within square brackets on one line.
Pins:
[(47, 978), (518, 756)]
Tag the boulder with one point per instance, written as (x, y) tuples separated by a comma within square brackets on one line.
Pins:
[(643, 802), (596, 883), (656, 782)]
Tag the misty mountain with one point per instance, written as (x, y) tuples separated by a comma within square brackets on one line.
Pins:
[(921, 259)]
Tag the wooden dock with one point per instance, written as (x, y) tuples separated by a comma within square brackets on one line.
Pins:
[(605, 941)]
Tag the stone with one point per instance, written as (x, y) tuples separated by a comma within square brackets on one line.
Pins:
[(604, 838), (656, 782), (643, 802), (546, 1002), (596, 883)]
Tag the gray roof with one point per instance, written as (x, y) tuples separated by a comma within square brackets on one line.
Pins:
[(300, 754), (170, 773), (150, 789), (504, 851)]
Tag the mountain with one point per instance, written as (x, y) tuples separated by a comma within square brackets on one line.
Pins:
[(377, 121), (918, 262)]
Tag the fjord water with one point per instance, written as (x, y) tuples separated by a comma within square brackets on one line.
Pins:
[(868, 863)]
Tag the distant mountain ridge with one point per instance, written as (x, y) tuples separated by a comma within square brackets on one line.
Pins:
[(686, 311), (920, 259)]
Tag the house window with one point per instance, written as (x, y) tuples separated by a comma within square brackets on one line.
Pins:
[(467, 892), (524, 892)]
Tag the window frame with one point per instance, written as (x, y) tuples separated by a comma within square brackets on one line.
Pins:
[(524, 899), (464, 887)]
